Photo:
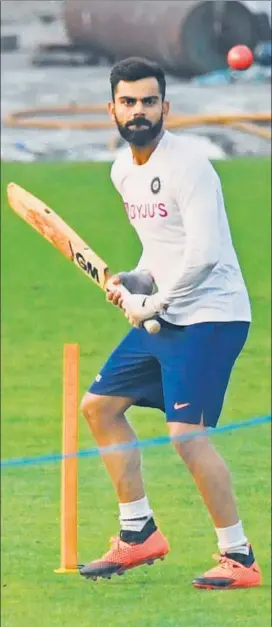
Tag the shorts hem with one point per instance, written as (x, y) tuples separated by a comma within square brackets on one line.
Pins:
[(189, 421)]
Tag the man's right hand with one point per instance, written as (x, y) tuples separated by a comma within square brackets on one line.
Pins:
[(115, 297)]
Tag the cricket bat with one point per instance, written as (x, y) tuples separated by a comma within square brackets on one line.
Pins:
[(51, 226)]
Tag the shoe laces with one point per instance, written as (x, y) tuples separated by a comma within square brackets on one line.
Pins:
[(225, 561), (115, 542), (114, 546)]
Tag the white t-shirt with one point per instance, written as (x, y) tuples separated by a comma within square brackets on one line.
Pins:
[(175, 203)]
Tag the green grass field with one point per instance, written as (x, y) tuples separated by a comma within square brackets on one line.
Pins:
[(47, 302)]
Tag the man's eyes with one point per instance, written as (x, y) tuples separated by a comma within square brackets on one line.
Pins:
[(146, 101)]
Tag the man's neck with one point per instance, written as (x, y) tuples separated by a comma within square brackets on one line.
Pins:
[(141, 155)]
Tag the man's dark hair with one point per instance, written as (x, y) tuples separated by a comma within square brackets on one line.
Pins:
[(134, 69)]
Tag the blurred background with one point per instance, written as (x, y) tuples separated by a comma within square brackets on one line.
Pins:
[(56, 56)]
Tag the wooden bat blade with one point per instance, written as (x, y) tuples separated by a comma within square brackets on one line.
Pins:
[(56, 231), (51, 226)]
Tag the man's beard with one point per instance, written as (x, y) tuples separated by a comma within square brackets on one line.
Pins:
[(142, 137)]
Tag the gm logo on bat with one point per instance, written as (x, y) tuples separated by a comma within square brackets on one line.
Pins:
[(86, 266)]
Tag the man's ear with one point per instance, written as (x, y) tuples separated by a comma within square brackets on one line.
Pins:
[(111, 110), (166, 108)]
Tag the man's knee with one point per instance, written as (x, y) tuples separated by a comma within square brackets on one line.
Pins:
[(100, 409), (93, 406), (189, 441)]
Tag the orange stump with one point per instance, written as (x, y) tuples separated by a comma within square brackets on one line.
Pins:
[(69, 561)]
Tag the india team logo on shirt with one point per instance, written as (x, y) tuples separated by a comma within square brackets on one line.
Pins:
[(155, 185)]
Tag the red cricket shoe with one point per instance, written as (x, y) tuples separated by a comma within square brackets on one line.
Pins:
[(123, 556), (231, 573)]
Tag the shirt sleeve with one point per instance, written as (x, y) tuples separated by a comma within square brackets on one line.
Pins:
[(198, 198), (115, 176), (142, 265), (119, 170)]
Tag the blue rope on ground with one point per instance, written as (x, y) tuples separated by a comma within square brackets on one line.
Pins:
[(56, 457)]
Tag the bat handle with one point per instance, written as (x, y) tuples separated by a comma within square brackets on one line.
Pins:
[(151, 326)]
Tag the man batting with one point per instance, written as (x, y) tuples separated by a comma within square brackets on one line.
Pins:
[(190, 279)]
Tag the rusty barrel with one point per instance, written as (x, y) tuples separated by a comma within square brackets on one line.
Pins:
[(187, 38)]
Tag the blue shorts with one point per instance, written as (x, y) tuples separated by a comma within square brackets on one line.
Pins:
[(183, 371)]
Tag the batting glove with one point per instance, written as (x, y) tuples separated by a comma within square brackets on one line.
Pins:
[(139, 307)]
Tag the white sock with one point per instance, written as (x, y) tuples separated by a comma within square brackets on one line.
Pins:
[(134, 515), (232, 539)]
